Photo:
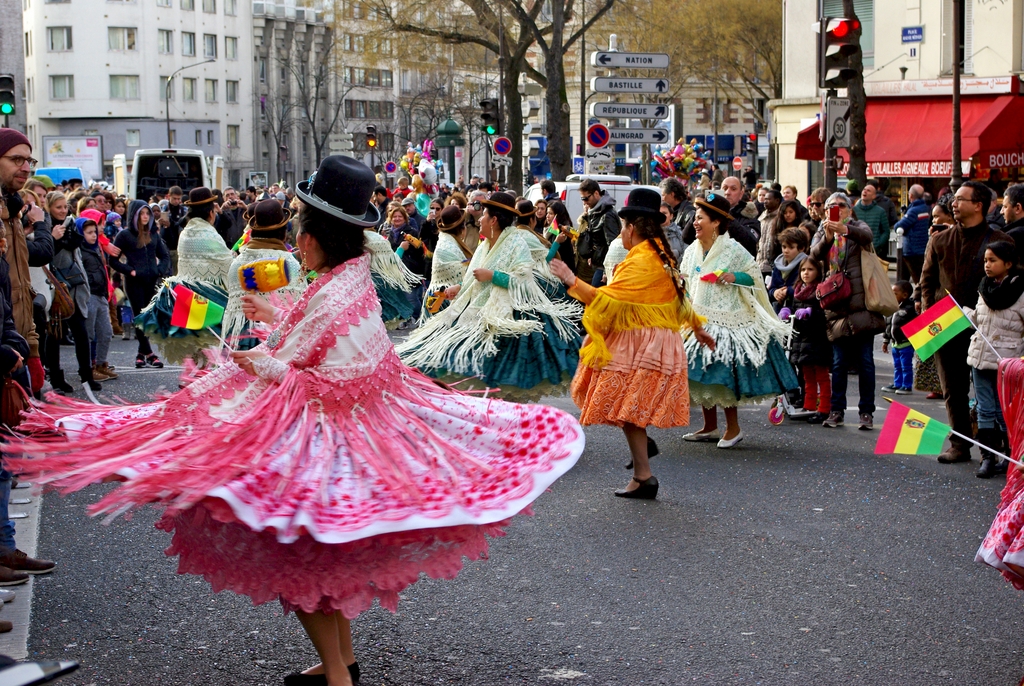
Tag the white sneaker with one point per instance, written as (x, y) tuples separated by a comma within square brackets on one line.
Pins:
[(6, 596)]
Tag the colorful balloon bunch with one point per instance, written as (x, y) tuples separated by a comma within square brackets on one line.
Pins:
[(685, 160), (418, 162)]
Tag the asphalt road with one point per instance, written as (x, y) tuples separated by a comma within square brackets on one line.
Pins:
[(797, 558)]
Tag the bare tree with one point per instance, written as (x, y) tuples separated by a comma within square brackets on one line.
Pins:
[(319, 89), (277, 113)]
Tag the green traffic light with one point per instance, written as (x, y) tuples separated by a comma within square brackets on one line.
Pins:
[(7, 108), (491, 130)]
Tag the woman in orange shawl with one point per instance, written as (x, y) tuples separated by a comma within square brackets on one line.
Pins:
[(632, 370)]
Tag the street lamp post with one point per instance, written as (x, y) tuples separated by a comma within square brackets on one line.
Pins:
[(167, 94)]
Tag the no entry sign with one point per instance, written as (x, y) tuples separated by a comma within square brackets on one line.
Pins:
[(598, 135), (502, 146)]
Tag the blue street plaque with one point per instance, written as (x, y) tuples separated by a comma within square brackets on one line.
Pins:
[(912, 34)]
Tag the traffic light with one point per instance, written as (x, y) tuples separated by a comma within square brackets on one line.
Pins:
[(371, 136), (7, 101), (490, 117), (752, 143), (838, 43)]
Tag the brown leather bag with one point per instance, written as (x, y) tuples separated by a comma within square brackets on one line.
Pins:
[(13, 401), (62, 306)]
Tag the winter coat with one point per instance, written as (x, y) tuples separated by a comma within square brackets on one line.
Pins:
[(900, 318), (414, 258), (10, 340), (954, 264), (852, 317), (683, 215), (810, 346), (915, 225), (674, 235), (768, 247), (151, 262), (230, 224), (784, 275), (604, 226), (22, 254), (875, 216), (170, 234), (67, 260), (1015, 230), (1003, 328), (744, 227)]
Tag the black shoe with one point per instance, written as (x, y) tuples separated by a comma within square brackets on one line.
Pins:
[(647, 490), (140, 361), (299, 679), (652, 450), (59, 384), (988, 467), (817, 418), (153, 361), (94, 385)]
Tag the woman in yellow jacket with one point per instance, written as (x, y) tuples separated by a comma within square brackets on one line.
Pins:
[(632, 370)]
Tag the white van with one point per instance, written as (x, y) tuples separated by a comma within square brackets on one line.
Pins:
[(618, 187), (158, 169)]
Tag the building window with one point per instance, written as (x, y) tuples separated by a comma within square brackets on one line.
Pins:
[(58, 38), (163, 3), (865, 10), (209, 45), (346, 42), (166, 89), (230, 47), (121, 39), (62, 87), (231, 91), (230, 7), (30, 89), (188, 89), (124, 87), (211, 90), (28, 44), (174, 138), (232, 135), (209, 136), (165, 41), (263, 70), (199, 137), (386, 78), (188, 5), (210, 6), (132, 138), (406, 80), (369, 109), (188, 44), (358, 44)]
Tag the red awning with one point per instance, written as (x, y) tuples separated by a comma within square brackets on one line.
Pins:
[(911, 136)]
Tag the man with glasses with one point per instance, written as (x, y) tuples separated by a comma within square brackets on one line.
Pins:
[(16, 165), (954, 264), (744, 227), (473, 211), (603, 227), (816, 205)]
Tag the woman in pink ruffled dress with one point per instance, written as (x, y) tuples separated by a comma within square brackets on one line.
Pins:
[(315, 469)]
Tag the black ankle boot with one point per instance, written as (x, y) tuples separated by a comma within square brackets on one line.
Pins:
[(993, 440)]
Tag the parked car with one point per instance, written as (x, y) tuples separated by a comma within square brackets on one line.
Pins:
[(64, 174), (613, 184)]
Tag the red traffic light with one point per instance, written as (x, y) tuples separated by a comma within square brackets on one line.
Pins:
[(752, 137), (845, 28)]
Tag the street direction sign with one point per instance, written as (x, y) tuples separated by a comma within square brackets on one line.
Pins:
[(837, 122), (628, 110), (502, 146), (622, 84), (640, 136), (629, 60), (597, 135)]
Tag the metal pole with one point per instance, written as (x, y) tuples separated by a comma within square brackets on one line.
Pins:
[(831, 173), (167, 94), (956, 178), (581, 145), (714, 153)]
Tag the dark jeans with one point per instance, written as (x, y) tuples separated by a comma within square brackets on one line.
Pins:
[(598, 276), (955, 377), (51, 353), (855, 352), (6, 525), (140, 292)]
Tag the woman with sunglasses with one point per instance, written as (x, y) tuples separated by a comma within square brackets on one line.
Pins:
[(852, 327), (502, 327), (748, 363)]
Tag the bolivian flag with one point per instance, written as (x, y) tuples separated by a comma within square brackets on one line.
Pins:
[(193, 311), (909, 432), (936, 326)]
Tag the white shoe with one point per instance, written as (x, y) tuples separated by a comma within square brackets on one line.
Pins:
[(731, 442), (701, 437), (6, 596)]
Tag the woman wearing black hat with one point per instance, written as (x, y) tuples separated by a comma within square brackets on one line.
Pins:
[(263, 265), (748, 364), (449, 262), (632, 371), (203, 262), (316, 469), (502, 327)]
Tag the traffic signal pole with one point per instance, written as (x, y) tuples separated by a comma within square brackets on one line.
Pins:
[(831, 173)]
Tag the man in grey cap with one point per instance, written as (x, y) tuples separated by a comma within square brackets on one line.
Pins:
[(409, 205), (281, 198)]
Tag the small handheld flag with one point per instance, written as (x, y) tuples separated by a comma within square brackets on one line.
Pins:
[(909, 432), (193, 311), (936, 326), (713, 277), (264, 276)]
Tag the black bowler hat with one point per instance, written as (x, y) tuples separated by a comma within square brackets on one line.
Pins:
[(642, 202), (342, 187), (200, 196)]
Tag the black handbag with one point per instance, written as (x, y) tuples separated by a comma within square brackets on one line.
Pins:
[(70, 277), (585, 245)]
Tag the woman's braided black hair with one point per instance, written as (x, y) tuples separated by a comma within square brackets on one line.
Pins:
[(648, 229)]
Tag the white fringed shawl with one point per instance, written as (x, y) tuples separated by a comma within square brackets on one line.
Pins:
[(467, 330), (448, 266), (741, 320), (384, 263)]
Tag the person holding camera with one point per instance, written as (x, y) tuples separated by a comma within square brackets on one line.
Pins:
[(230, 222)]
